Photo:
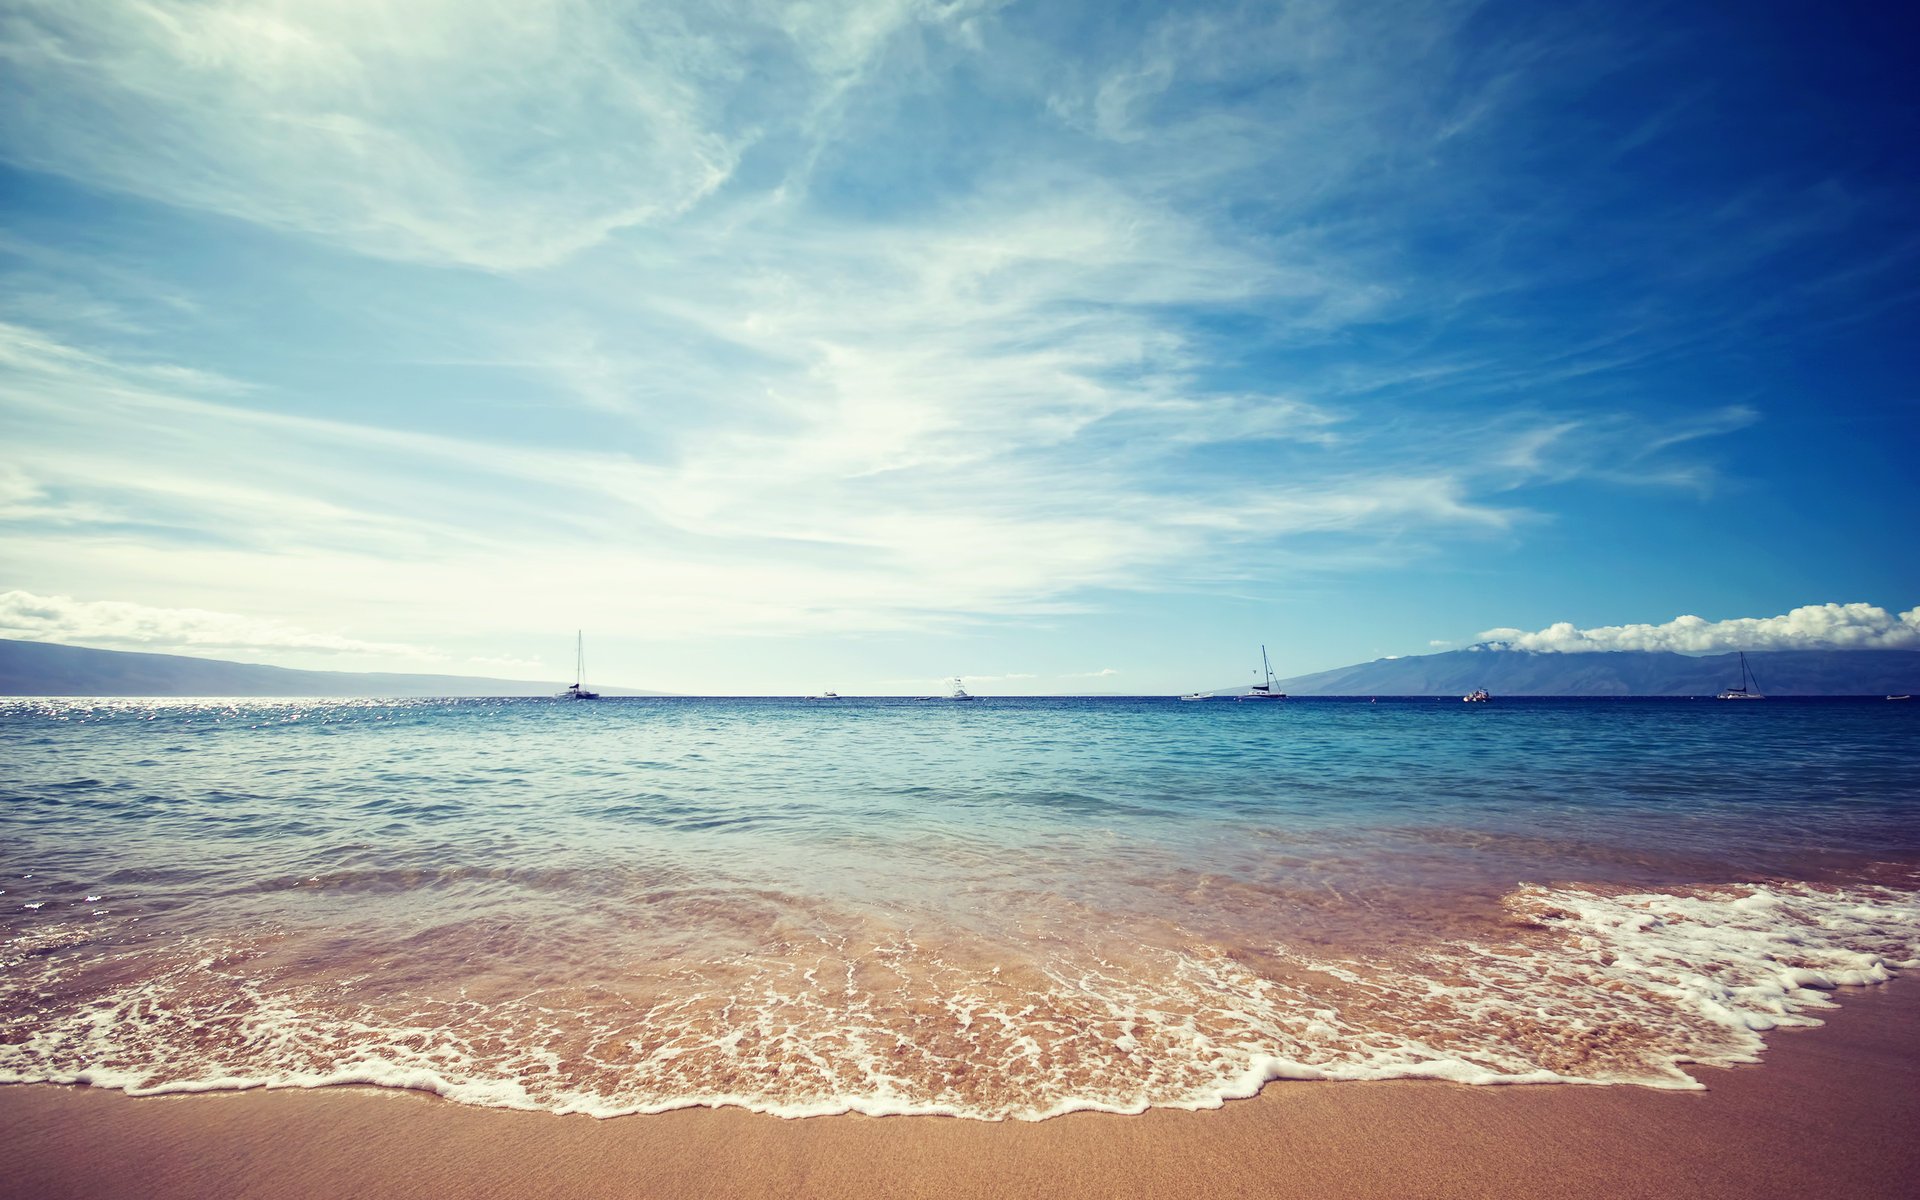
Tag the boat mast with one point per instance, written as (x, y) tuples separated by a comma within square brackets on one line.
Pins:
[(579, 658), (1266, 666)]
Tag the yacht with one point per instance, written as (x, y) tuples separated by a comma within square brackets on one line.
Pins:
[(1477, 696), (954, 692), (1199, 696), (825, 696), (1749, 688), (577, 690), (1263, 691)]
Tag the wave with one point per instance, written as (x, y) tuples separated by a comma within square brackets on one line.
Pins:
[(1583, 985)]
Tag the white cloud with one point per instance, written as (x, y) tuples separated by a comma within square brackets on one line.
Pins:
[(1814, 626), (28, 617), (504, 134), (880, 503), (995, 391)]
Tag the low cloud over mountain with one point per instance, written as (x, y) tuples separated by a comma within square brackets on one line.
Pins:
[(1811, 627)]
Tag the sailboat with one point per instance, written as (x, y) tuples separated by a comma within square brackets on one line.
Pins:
[(1749, 688), (1263, 691), (578, 689)]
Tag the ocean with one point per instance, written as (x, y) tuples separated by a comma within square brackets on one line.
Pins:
[(1004, 909)]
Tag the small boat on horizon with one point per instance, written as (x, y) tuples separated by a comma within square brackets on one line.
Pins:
[(954, 692), (1263, 691), (825, 696), (1749, 688), (1899, 697), (1477, 696), (1199, 696), (577, 690)]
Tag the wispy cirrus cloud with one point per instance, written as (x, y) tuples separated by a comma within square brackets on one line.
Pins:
[(467, 112), (773, 319), (840, 523), (496, 134)]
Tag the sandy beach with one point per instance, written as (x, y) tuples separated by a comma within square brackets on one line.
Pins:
[(1831, 1111)]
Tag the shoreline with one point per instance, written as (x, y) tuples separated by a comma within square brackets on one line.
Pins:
[(1831, 1108)]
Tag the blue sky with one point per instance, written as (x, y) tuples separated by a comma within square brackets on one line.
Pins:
[(1063, 347)]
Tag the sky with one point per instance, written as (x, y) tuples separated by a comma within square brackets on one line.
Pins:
[(1063, 347)]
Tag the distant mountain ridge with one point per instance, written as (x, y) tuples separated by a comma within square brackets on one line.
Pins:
[(1616, 673), (50, 669)]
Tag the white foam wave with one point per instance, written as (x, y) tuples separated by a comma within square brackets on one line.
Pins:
[(1593, 987)]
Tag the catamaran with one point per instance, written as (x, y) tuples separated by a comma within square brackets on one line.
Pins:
[(1749, 688), (1263, 691), (577, 690)]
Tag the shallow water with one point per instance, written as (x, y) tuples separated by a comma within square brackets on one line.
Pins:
[(1010, 908)]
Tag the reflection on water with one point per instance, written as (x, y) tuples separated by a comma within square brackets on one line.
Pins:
[(1009, 908)]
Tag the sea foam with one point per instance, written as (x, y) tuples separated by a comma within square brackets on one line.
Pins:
[(1584, 985)]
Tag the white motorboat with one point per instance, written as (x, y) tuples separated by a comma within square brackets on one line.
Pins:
[(1477, 696)]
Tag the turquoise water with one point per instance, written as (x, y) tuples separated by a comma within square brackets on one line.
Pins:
[(1006, 908)]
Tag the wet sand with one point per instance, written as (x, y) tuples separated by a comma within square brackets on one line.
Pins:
[(1832, 1111)]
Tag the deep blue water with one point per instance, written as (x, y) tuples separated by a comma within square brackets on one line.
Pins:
[(769, 786)]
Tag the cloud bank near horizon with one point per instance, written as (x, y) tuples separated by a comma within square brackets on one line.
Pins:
[(1810, 627), (119, 625), (116, 624)]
